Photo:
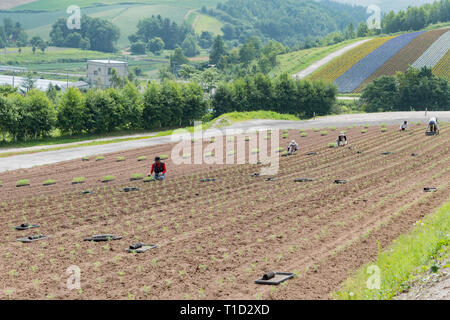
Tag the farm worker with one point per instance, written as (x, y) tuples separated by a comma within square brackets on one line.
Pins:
[(293, 147), (159, 168), (404, 126), (433, 125), (342, 139)]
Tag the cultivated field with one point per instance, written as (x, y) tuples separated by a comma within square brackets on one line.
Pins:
[(215, 238)]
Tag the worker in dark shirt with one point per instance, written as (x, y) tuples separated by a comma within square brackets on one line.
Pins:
[(159, 168)]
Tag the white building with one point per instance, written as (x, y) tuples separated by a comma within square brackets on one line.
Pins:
[(99, 72)]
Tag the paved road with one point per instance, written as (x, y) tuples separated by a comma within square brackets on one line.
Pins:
[(341, 121), (316, 65)]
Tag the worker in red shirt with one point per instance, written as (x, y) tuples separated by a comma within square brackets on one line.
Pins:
[(159, 168)]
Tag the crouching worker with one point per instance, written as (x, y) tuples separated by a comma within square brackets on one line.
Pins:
[(293, 147), (433, 126), (159, 168), (404, 126), (342, 140)]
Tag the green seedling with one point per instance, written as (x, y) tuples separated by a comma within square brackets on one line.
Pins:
[(49, 182), (164, 157), (78, 180), (23, 183), (100, 158), (324, 133), (108, 178), (136, 176), (121, 159), (142, 158)]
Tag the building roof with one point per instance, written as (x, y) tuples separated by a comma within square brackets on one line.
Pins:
[(108, 61)]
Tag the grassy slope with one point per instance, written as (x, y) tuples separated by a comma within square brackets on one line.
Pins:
[(399, 263), (297, 61)]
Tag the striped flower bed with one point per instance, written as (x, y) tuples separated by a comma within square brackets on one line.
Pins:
[(351, 80), (405, 57), (434, 53)]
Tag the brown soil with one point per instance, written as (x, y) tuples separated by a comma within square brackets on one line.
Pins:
[(214, 239), (405, 57)]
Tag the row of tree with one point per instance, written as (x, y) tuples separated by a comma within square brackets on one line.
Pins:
[(35, 114), (283, 94), (413, 90), (416, 18)]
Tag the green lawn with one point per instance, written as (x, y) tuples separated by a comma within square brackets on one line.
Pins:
[(411, 253), (297, 61)]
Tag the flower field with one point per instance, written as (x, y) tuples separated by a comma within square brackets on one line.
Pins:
[(352, 78), (386, 56), (435, 52), (442, 68), (405, 57), (215, 238), (340, 65)]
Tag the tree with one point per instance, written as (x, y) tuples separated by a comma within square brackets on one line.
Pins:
[(363, 30), (381, 95), (217, 51), (28, 82), (206, 39), (103, 113), (132, 107), (43, 46), (73, 40), (72, 112), (155, 45), (138, 47), (349, 31), (39, 114), (189, 46), (222, 100), (194, 106), (177, 59), (153, 115)]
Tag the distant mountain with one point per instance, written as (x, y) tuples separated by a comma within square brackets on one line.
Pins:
[(388, 5)]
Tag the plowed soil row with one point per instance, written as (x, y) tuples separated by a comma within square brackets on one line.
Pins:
[(405, 57), (215, 238)]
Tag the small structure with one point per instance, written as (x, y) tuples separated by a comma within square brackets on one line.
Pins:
[(99, 72)]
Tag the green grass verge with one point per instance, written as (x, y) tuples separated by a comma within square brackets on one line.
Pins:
[(400, 261)]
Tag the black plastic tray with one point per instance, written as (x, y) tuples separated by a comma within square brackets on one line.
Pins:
[(279, 278)]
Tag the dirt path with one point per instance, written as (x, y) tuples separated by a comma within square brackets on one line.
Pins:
[(316, 65), (214, 239), (392, 118)]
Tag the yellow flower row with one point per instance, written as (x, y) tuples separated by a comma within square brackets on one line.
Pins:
[(340, 65), (442, 68)]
